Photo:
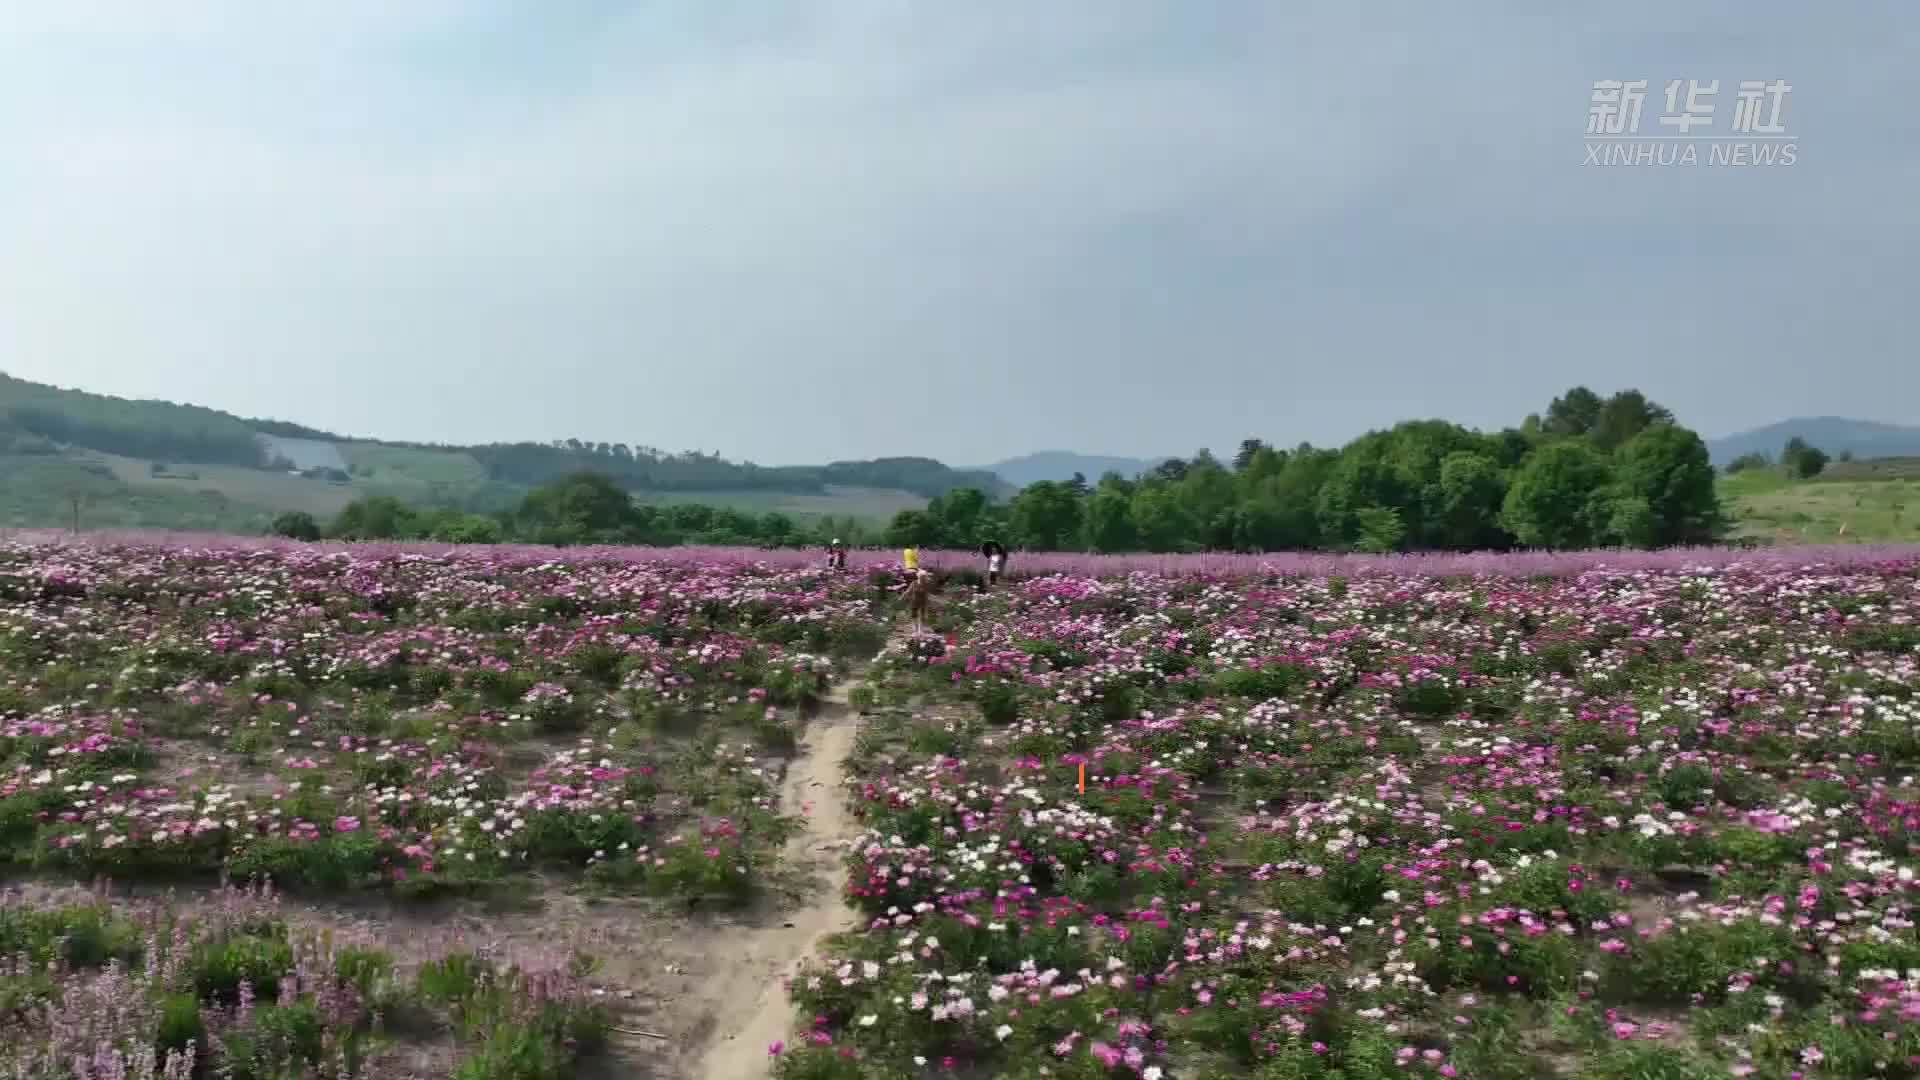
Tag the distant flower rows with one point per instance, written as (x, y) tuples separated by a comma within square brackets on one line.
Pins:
[(1441, 564)]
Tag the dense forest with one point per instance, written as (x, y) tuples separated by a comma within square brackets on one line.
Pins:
[(581, 508), (140, 429), (1589, 472)]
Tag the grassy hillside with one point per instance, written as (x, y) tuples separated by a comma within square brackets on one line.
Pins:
[(407, 466), (258, 488), (163, 464), (39, 491), (1765, 503)]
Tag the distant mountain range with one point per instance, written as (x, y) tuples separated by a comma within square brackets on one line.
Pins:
[(1062, 464), (1834, 434)]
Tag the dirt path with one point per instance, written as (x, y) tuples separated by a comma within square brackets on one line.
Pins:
[(748, 993)]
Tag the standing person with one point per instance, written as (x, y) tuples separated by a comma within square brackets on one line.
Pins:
[(910, 560), (836, 555), (996, 560)]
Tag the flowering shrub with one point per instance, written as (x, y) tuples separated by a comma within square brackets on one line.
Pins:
[(99, 990)]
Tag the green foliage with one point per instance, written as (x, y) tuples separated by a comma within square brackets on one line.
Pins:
[(154, 430), (1045, 517), (1467, 506), (1624, 416), (297, 525), (1666, 467), (1556, 497), (1632, 522), (1573, 413), (42, 489), (1378, 529), (1802, 460), (578, 508)]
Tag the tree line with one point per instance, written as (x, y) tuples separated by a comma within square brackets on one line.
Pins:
[(579, 508), (1798, 458), (1589, 471)]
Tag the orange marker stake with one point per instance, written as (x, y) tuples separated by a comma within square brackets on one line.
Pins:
[(1083, 778)]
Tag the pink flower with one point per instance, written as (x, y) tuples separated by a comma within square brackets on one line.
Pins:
[(774, 1048)]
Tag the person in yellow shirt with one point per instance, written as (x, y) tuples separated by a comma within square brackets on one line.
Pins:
[(911, 557)]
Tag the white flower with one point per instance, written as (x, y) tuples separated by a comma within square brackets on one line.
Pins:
[(869, 1020), (1002, 1032)]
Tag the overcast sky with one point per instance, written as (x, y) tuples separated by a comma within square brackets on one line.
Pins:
[(792, 231)]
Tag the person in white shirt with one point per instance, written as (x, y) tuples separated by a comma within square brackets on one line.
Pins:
[(996, 560)]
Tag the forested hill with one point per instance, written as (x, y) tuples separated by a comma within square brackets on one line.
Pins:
[(37, 419)]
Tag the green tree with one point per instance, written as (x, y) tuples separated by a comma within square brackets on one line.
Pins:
[(1170, 470), (472, 529), (777, 529), (1207, 493), (1667, 467), (1109, 521), (1572, 413), (375, 517), (296, 525), (1379, 529), (1631, 522), (1467, 510), (1801, 459), (1045, 516), (1162, 522), (1558, 497), (1291, 498), (1399, 468), (958, 516), (913, 528), (581, 507), (1624, 415)]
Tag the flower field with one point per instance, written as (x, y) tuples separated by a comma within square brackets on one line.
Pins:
[(1648, 823), (405, 726), (1554, 816)]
